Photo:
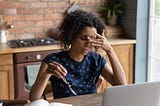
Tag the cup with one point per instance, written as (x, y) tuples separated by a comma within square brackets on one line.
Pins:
[(3, 36)]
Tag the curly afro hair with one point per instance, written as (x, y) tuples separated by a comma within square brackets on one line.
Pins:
[(74, 23)]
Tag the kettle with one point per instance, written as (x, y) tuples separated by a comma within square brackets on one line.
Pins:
[(3, 35)]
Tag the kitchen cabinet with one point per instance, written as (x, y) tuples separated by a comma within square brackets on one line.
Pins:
[(6, 77), (125, 53)]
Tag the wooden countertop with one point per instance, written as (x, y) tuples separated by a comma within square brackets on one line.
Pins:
[(5, 49), (121, 41)]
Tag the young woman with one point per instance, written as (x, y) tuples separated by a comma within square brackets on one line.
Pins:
[(76, 70)]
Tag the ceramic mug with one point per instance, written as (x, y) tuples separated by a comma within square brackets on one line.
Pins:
[(3, 36)]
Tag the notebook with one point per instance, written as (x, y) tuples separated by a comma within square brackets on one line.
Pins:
[(144, 94)]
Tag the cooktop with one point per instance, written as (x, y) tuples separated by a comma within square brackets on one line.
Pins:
[(31, 42)]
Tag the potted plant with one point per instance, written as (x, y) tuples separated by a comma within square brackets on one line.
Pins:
[(110, 11)]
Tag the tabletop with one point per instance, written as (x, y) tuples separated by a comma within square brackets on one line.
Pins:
[(82, 100)]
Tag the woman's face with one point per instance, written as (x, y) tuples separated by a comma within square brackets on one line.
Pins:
[(81, 45)]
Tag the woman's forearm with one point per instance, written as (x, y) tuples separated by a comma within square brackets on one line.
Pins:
[(38, 87), (118, 71)]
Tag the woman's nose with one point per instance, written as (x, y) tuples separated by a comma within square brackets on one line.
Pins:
[(88, 43)]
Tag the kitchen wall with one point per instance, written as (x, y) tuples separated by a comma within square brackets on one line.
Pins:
[(33, 18)]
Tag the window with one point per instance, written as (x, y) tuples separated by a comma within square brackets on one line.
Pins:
[(157, 7), (154, 42)]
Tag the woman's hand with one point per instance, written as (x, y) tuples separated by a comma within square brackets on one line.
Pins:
[(101, 41), (56, 69)]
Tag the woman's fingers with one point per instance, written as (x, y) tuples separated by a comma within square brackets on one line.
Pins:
[(103, 32), (57, 69), (100, 41), (97, 42), (55, 73), (63, 69)]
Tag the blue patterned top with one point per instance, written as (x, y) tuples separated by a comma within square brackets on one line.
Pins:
[(82, 76)]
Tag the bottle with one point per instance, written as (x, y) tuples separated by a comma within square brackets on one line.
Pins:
[(1, 104), (3, 36)]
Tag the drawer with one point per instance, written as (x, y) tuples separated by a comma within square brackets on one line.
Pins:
[(6, 59)]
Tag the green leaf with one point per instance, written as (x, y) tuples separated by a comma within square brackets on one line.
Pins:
[(111, 8), (109, 13)]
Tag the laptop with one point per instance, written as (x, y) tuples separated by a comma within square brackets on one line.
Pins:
[(144, 94)]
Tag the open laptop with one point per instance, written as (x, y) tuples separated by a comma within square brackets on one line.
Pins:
[(144, 94)]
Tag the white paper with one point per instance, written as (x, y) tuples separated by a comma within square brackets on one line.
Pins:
[(59, 104), (42, 102), (39, 102)]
